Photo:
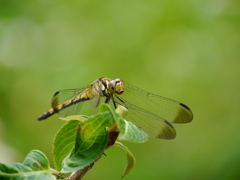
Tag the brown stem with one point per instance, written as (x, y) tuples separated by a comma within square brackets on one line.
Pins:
[(77, 175)]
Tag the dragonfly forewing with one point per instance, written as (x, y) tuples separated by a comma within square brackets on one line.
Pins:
[(167, 109)]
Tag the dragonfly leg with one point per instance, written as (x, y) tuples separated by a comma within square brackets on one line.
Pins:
[(107, 100), (114, 103), (124, 104)]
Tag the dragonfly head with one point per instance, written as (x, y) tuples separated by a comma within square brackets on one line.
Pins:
[(116, 86)]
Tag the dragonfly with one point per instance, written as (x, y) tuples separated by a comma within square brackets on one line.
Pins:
[(150, 112)]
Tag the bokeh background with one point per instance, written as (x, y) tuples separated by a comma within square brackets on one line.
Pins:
[(185, 50)]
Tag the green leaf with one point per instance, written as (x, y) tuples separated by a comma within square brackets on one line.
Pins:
[(128, 130), (35, 166), (64, 142), (131, 162), (80, 118), (106, 108), (91, 141)]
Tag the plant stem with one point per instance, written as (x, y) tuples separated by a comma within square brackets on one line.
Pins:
[(77, 175)]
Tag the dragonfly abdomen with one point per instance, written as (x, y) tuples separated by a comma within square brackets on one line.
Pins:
[(81, 97), (46, 114)]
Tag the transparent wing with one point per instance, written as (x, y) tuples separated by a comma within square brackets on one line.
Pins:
[(91, 94), (62, 96), (95, 91), (167, 109), (153, 113), (152, 124)]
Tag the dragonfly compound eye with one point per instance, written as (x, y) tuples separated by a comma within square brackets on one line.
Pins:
[(119, 87)]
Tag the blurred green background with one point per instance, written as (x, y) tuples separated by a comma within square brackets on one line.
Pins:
[(185, 50)]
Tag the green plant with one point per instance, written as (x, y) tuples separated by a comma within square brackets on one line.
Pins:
[(77, 145)]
